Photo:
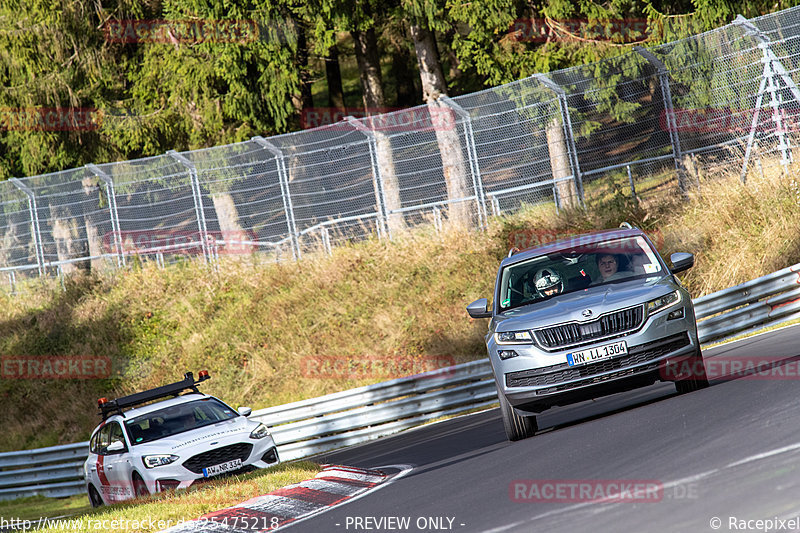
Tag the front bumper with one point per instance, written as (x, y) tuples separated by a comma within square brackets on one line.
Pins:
[(177, 476), (536, 380)]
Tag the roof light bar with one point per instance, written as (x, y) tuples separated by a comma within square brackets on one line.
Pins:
[(173, 389)]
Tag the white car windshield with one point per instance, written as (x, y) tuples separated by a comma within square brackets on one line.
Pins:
[(177, 419), (579, 265)]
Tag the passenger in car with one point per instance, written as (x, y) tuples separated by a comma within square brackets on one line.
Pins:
[(608, 265)]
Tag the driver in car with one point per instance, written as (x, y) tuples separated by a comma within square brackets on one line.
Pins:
[(548, 282)]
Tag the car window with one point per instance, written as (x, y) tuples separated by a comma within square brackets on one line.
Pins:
[(93, 443), (177, 419), (103, 438), (579, 265), (115, 433)]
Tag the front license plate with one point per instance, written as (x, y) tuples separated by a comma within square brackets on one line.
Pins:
[(596, 354), (220, 468)]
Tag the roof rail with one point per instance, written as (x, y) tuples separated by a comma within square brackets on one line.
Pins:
[(627, 225), (512, 251), (173, 389)]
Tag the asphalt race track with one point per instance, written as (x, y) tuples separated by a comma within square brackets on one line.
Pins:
[(731, 451)]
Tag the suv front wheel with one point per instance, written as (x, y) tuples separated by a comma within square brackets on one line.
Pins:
[(698, 378), (517, 426)]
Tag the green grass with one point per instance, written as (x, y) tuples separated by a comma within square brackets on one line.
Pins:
[(159, 511), (36, 507)]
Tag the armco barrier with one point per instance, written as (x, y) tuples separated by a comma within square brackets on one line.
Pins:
[(316, 425)]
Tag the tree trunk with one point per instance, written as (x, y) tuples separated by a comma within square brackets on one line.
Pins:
[(369, 68), (334, 76), (454, 168), (230, 229), (430, 68), (559, 163)]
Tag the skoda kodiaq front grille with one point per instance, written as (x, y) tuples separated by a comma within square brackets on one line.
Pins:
[(574, 333)]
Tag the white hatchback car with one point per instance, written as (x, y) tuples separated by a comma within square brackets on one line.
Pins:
[(171, 443)]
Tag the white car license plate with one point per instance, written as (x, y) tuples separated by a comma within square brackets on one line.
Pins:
[(220, 468), (596, 354)]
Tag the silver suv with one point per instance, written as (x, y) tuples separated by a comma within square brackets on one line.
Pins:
[(584, 317)]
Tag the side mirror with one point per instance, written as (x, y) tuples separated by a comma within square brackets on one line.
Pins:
[(116, 446), (479, 309), (244, 411), (681, 261)]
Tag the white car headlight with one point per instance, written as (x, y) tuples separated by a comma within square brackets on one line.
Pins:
[(513, 337), (260, 432), (668, 300), (152, 461)]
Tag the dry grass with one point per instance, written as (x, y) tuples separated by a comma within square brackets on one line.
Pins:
[(738, 231), (264, 330)]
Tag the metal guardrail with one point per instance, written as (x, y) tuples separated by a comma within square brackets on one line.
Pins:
[(764, 301), (316, 425)]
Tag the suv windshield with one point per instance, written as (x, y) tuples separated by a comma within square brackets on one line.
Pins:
[(578, 266), (177, 419)]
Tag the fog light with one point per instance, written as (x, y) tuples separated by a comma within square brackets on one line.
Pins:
[(678, 313), (506, 354)]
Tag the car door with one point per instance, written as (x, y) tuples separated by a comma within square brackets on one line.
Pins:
[(113, 465)]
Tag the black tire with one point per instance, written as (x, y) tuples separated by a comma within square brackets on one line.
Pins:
[(94, 497), (698, 378), (139, 486), (517, 426)]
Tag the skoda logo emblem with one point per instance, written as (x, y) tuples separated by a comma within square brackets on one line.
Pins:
[(587, 313)]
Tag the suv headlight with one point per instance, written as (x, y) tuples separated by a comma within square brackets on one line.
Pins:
[(152, 461), (260, 432), (668, 300), (513, 337)]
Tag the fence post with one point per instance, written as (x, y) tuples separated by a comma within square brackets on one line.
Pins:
[(633, 187), (669, 111), (198, 201), (35, 230), (112, 207), (472, 156), (377, 178), (566, 121), (288, 207), (772, 66)]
